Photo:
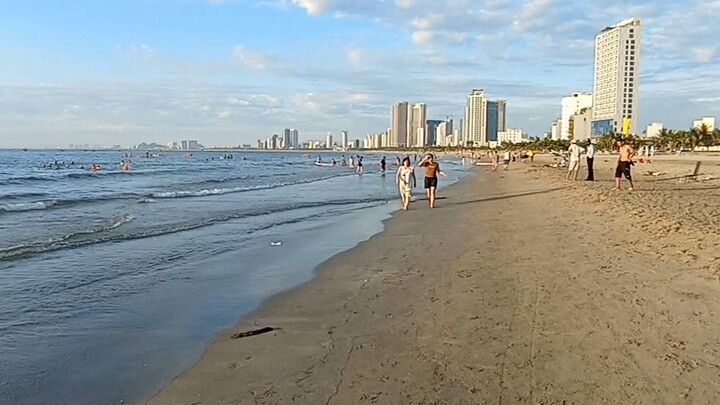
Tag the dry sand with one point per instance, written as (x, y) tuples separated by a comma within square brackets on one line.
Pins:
[(520, 288)]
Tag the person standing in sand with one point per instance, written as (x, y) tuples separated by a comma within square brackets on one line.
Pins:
[(406, 181), (432, 170), (590, 157), (495, 160), (624, 164), (506, 160), (575, 151)]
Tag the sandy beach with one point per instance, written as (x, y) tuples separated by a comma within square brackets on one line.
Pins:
[(519, 288)]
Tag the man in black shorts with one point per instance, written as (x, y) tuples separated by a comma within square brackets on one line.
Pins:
[(624, 164), (432, 170)]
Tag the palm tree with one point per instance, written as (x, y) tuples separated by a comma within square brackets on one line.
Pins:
[(703, 135)]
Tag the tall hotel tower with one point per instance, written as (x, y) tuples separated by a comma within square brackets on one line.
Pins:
[(475, 131), (617, 73)]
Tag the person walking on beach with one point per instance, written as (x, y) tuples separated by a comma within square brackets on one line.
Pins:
[(432, 170), (360, 167), (590, 157), (624, 164), (495, 160), (506, 160), (406, 180), (575, 151), (383, 163)]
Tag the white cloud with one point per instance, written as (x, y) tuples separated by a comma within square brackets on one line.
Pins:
[(422, 37), (704, 54), (355, 56), (314, 7), (255, 60)]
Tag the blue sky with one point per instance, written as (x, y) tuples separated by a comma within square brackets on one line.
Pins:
[(228, 72)]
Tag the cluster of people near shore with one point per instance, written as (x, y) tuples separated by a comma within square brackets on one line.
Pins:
[(406, 180), (622, 169), (405, 175)]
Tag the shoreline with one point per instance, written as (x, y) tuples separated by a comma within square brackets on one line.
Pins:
[(248, 322), (518, 287)]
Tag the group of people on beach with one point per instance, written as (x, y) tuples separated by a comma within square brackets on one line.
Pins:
[(623, 167), (406, 180)]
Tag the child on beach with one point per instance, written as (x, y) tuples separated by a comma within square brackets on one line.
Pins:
[(406, 180)]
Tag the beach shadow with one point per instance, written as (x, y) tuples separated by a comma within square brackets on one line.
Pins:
[(508, 196), (651, 190)]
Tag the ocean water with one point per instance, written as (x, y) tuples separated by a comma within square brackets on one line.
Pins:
[(113, 282)]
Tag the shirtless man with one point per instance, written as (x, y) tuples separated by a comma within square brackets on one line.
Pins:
[(432, 169), (624, 164)]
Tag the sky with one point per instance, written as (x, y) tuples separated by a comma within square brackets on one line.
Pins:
[(228, 72)]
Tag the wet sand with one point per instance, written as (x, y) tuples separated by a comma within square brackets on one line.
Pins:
[(519, 288)]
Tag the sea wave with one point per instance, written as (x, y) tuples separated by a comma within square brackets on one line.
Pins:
[(151, 198), (46, 245), (107, 232), (30, 206), (221, 191)]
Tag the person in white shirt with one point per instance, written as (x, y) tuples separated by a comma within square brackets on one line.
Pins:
[(575, 151), (506, 160), (590, 157)]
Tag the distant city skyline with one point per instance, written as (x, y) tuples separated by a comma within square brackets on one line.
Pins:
[(96, 73)]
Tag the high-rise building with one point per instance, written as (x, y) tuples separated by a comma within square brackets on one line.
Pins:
[(344, 139), (555, 132), (475, 130), (580, 125), (617, 74), (329, 141), (399, 124), (496, 119), (442, 133), (432, 128), (571, 105), (295, 138), (287, 139), (417, 115)]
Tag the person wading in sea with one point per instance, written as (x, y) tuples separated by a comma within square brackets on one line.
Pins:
[(432, 170), (406, 181)]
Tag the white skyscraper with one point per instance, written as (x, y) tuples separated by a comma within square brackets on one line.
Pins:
[(417, 115), (329, 140), (555, 131), (475, 131), (571, 105), (442, 133), (398, 124), (295, 138), (344, 139), (617, 74)]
